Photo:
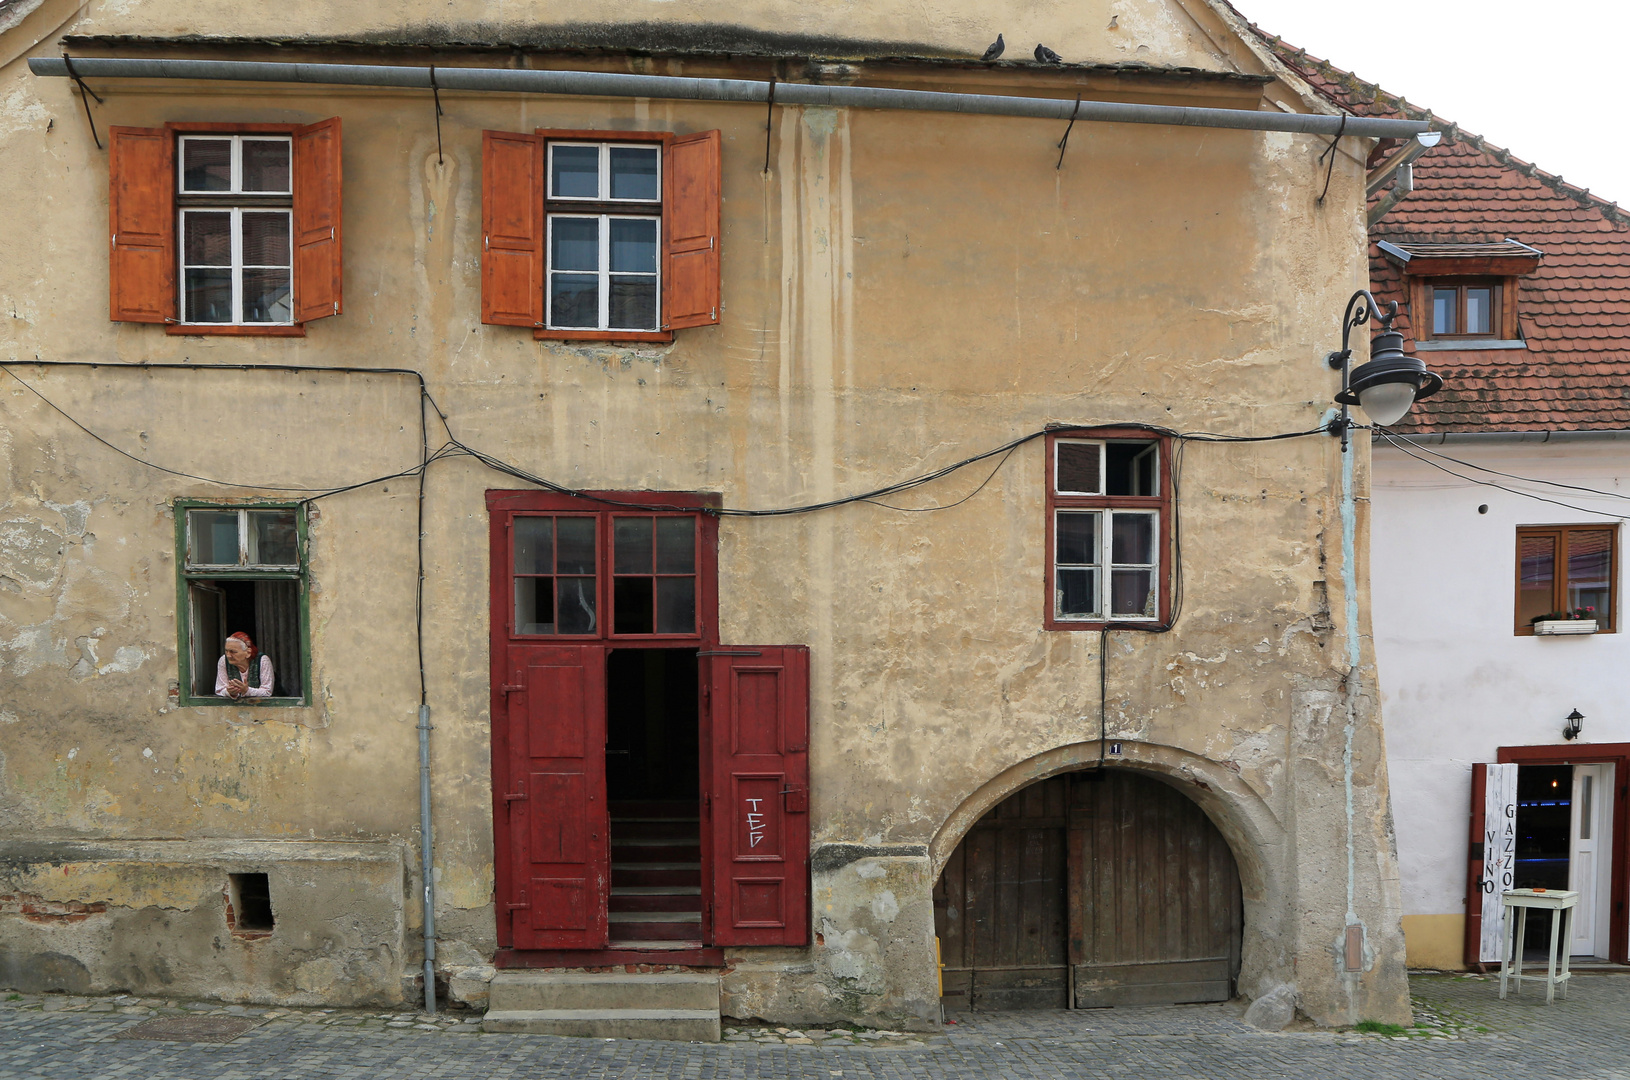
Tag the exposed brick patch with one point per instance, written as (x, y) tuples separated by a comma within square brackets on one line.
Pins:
[(40, 910)]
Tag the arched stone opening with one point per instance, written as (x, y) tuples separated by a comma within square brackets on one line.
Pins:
[(1151, 881)]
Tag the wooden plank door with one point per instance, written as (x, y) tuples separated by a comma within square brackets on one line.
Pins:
[(558, 827), (1154, 896), (757, 701), (999, 906)]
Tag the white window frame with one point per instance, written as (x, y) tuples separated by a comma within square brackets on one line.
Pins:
[(236, 187), (227, 197), (604, 177), (603, 319), (1152, 448), (237, 267), (243, 562), (1102, 565)]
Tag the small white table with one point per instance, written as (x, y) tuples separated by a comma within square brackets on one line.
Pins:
[(1560, 903)]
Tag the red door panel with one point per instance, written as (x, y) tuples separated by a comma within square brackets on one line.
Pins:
[(758, 700), (560, 852)]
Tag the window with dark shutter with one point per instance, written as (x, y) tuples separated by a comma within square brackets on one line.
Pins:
[(599, 235), (225, 228)]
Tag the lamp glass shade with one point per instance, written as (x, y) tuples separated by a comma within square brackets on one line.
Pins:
[(1386, 403)]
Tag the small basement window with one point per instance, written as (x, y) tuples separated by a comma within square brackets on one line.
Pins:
[(249, 904)]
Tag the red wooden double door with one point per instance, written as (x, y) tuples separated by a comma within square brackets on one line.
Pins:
[(581, 591)]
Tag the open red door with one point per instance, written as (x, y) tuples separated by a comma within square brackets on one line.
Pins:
[(558, 879), (758, 702)]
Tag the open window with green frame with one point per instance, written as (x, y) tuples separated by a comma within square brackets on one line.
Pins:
[(242, 568)]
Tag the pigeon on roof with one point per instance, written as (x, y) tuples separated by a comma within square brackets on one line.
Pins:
[(995, 49)]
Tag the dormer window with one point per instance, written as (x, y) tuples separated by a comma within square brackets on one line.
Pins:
[(1465, 308), (1463, 296)]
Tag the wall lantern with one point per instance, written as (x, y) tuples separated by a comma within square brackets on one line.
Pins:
[(1390, 382), (1575, 722)]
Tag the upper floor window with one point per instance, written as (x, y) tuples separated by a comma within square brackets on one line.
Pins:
[(1468, 308), (243, 623), (603, 266), (609, 236), (236, 201), (225, 229), (605, 573), (1108, 515), (1566, 573)]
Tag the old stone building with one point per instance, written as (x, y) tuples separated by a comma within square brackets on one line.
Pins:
[(751, 521)]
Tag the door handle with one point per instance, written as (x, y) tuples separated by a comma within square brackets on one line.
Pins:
[(513, 688)]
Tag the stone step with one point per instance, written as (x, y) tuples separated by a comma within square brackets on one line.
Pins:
[(679, 1025), (657, 849), (551, 991), (655, 873), (665, 900)]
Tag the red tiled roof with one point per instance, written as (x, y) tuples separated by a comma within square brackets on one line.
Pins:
[(1574, 309)]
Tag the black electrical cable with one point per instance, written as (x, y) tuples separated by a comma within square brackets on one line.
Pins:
[(1508, 476), (1405, 447)]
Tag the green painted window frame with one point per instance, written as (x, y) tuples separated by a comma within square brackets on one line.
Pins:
[(184, 576)]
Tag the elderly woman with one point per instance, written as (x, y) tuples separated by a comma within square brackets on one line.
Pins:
[(239, 674)]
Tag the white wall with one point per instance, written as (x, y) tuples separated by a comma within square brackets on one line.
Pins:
[(1456, 682)]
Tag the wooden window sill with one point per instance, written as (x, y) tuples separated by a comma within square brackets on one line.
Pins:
[(233, 330), (654, 337)]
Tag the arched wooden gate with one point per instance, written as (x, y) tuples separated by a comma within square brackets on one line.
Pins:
[(1085, 890)]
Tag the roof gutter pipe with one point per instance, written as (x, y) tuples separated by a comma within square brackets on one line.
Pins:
[(614, 84), (1378, 177), (1441, 438)]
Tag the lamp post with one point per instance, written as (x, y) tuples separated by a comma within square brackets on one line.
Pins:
[(1390, 382)]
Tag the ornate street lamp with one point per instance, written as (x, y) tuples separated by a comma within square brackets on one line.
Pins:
[(1391, 382)]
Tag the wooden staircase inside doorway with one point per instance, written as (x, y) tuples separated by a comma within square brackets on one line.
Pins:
[(656, 875)]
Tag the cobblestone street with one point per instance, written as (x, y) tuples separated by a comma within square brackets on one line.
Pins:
[(1463, 1030)]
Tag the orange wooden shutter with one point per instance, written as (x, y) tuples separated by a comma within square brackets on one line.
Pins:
[(690, 220), (512, 229), (141, 219), (317, 220)]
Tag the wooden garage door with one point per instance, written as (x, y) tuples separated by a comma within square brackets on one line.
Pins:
[(1154, 896), (1119, 886)]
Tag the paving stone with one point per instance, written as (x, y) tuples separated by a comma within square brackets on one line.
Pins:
[(1463, 1030)]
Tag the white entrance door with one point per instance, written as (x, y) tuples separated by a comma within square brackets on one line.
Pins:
[(1589, 858)]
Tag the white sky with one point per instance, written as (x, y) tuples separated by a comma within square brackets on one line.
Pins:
[(1544, 80)]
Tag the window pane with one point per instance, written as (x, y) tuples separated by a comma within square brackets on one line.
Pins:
[(265, 238), (1078, 468), (634, 173), (574, 243), (1075, 538), (1584, 805), (633, 303), (676, 605), (1479, 311), (1076, 595), (574, 172), (266, 165), (634, 245), (676, 545), (1134, 538), (209, 296), (1131, 468), (576, 605), (1443, 311), (267, 296), (632, 603), (574, 300), (208, 240), (273, 538), (534, 545), (1536, 577), (574, 546), (214, 537), (1132, 592), (1589, 567), (206, 165), (632, 544), (535, 605)]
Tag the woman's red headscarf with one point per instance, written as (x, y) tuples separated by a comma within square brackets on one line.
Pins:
[(243, 637)]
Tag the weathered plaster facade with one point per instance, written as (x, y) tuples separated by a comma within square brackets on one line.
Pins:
[(900, 291)]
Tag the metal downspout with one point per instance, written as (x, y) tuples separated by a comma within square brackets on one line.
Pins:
[(425, 865), (615, 84)]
